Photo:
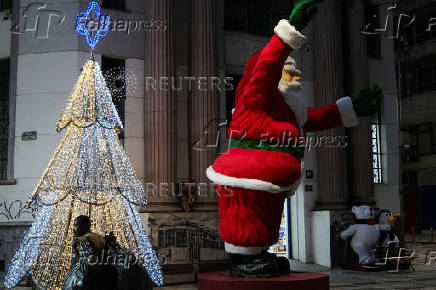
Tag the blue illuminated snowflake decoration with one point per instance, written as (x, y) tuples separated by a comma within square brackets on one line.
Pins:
[(101, 21)]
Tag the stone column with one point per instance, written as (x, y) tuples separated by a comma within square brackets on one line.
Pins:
[(204, 104), (328, 87), (360, 153), (160, 126)]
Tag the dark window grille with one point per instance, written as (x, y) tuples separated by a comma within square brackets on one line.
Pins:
[(4, 117), (114, 4), (376, 151), (161, 238), (170, 238), (114, 72), (181, 238)]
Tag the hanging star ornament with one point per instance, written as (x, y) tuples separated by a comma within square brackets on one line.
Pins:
[(101, 24)]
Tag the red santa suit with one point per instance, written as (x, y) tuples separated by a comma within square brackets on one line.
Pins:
[(252, 181)]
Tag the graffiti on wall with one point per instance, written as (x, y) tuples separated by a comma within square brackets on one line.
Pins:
[(16, 209)]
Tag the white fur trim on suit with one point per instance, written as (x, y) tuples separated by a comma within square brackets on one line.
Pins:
[(287, 33), (232, 249), (248, 183), (346, 110), (293, 95)]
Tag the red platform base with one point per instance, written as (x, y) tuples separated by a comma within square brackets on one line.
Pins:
[(221, 280)]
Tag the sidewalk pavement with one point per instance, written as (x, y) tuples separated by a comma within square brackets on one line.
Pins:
[(423, 278)]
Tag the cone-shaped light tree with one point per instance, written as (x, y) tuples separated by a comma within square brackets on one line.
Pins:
[(89, 174)]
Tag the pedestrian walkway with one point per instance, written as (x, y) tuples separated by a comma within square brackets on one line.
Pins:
[(423, 278)]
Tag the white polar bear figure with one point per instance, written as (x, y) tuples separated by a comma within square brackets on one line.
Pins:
[(365, 236)]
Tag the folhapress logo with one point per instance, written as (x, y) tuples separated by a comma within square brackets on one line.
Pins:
[(38, 19)]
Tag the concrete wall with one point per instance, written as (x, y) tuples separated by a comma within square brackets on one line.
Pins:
[(56, 28), (321, 238), (134, 118), (45, 81), (50, 57)]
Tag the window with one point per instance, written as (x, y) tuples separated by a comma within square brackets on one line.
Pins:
[(419, 76), (254, 16), (376, 151), (433, 135), (5, 5), (417, 32), (409, 178), (115, 4), (114, 72), (373, 41), (4, 118), (423, 138)]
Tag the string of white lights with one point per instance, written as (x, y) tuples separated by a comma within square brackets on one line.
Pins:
[(90, 173), (21, 263)]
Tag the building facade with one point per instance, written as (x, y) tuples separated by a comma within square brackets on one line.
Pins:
[(417, 55), (180, 62)]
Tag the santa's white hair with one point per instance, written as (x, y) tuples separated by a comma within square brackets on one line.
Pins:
[(293, 94)]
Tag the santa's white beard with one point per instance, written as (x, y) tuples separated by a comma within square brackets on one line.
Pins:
[(293, 95)]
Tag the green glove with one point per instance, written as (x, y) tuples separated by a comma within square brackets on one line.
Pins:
[(303, 13), (367, 101)]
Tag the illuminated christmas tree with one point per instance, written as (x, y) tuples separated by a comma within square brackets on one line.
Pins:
[(89, 174)]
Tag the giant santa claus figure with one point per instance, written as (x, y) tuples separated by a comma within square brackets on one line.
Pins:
[(262, 166)]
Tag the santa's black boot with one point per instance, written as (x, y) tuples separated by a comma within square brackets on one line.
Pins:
[(253, 266), (282, 262)]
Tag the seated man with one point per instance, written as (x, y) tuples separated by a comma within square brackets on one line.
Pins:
[(88, 268)]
